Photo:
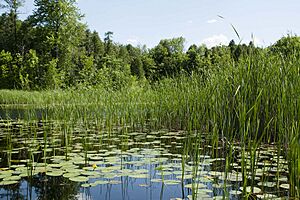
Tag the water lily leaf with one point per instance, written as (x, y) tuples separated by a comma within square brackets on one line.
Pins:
[(55, 173), (171, 182), (139, 176), (69, 175), (114, 182), (101, 182), (86, 185), (266, 196), (235, 192), (12, 178), (144, 185), (196, 185), (249, 189), (186, 176), (90, 173), (2, 183), (285, 186), (157, 180), (267, 184), (220, 185), (79, 179)]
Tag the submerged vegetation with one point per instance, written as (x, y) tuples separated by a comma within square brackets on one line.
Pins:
[(213, 123)]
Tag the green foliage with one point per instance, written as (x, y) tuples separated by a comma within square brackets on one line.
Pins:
[(29, 75), (93, 46), (149, 66), (10, 67), (6, 70), (169, 57), (88, 71), (13, 23), (287, 46), (61, 32), (136, 67), (53, 49), (108, 43), (52, 78), (114, 75), (238, 91)]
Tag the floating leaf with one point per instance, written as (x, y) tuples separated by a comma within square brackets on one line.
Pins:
[(2, 183), (79, 179), (114, 182), (139, 176), (171, 182), (285, 186), (101, 182), (266, 196), (249, 189), (220, 198), (235, 192), (144, 185), (12, 178), (267, 184), (85, 185), (54, 173), (156, 180), (196, 185), (69, 175)]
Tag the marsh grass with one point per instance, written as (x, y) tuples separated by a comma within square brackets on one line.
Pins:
[(254, 101)]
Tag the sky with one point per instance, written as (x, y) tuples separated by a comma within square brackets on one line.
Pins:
[(146, 22)]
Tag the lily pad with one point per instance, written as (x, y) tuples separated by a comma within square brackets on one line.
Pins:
[(196, 185), (285, 186), (2, 183), (171, 182), (267, 184), (86, 185), (114, 182), (90, 173), (12, 178), (188, 176), (54, 173), (144, 185), (266, 196), (139, 176), (220, 198), (101, 182), (249, 189), (69, 175), (157, 180), (235, 192), (79, 179)]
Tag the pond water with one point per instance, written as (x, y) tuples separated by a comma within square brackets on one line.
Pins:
[(54, 160)]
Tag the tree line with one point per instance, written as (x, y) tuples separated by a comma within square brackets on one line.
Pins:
[(53, 49)]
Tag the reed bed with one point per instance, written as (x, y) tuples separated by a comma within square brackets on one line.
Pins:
[(254, 102)]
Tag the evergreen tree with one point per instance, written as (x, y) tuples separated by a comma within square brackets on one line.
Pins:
[(12, 23)]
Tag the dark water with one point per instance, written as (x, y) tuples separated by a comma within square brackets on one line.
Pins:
[(21, 113)]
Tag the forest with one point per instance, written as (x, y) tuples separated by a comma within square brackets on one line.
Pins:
[(53, 49)]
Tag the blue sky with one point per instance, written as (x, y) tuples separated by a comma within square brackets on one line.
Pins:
[(148, 21)]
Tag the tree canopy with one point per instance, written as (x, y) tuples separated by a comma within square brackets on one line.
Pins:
[(52, 48)]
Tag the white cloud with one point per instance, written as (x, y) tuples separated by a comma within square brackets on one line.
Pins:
[(132, 41), (211, 21), (190, 21), (215, 40)]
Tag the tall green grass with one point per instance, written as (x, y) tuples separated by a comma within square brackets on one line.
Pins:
[(253, 101)]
